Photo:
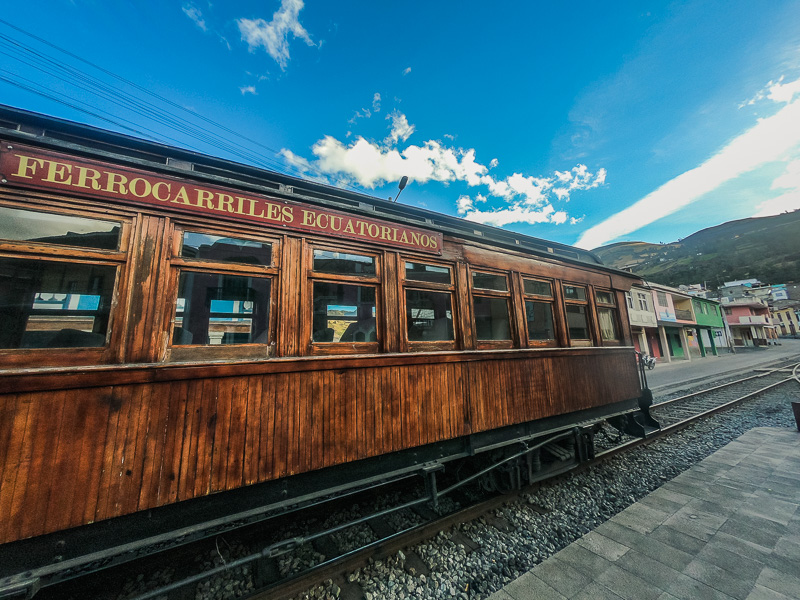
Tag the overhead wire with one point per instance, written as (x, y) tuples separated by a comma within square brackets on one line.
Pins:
[(142, 107)]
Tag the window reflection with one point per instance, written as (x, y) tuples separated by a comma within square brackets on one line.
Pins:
[(491, 318), (577, 322), (215, 309), (344, 313), (326, 261), (226, 249), (49, 304), (49, 228), (429, 316), (539, 316)]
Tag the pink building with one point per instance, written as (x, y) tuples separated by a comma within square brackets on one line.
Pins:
[(749, 321)]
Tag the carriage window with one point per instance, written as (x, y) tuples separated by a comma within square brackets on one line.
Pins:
[(491, 318), (489, 281), (429, 316), (216, 309), (607, 316), (49, 304), (577, 312), (427, 273), (539, 311), (326, 261), (225, 249), (344, 313), (49, 228)]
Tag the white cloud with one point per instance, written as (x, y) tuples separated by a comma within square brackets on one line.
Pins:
[(401, 129), (248, 89), (376, 102), (523, 199), (194, 13), (407, 70), (274, 36), (788, 201), (768, 141)]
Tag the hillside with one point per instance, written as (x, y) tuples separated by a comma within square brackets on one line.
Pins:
[(766, 248)]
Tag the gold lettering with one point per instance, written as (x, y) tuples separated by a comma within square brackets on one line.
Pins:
[(182, 196), (287, 214), (385, 233), (273, 212), (334, 225), (309, 219), (118, 181), (403, 237), (84, 176), (415, 238), (27, 163), (239, 205), (320, 217), (147, 187), (60, 170), (349, 227), (155, 190), (204, 198), (225, 202)]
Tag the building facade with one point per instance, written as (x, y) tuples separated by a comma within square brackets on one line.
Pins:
[(749, 321)]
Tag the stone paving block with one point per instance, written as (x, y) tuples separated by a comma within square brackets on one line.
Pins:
[(784, 583), (662, 504), (724, 581), (687, 588), (649, 546), (762, 593), (595, 591), (628, 586), (666, 596), (771, 509), (756, 530), (677, 539), (742, 547), (605, 547), (530, 587), (585, 561), (718, 507), (789, 547), (641, 518), (694, 523), (725, 558), (671, 495), (649, 569), (561, 576)]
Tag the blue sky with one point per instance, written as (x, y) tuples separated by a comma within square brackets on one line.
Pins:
[(582, 122)]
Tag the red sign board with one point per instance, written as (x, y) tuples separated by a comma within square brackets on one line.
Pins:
[(35, 168)]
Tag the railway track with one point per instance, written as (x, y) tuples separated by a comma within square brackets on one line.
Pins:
[(261, 567)]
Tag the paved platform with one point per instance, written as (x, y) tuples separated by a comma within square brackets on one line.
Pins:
[(728, 528)]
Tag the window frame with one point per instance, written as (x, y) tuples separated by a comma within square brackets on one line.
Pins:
[(489, 293), (118, 258), (179, 264), (420, 286), (311, 276), (615, 315), (551, 300), (580, 342)]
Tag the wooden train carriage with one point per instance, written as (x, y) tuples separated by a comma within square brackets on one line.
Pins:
[(175, 325)]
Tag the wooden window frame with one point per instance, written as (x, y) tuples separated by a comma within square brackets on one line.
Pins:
[(414, 285), (590, 324), (111, 351), (307, 300), (179, 264), (615, 316), (513, 341), (551, 300)]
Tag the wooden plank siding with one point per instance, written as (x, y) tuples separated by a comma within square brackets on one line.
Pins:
[(79, 455)]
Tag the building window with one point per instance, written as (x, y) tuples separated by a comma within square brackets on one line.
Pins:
[(607, 316), (344, 295), (576, 309), (662, 299), (224, 296), (490, 300), (429, 306), (58, 277), (643, 304), (538, 296), (629, 300)]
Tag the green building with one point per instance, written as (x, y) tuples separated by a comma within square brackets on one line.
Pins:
[(710, 325)]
